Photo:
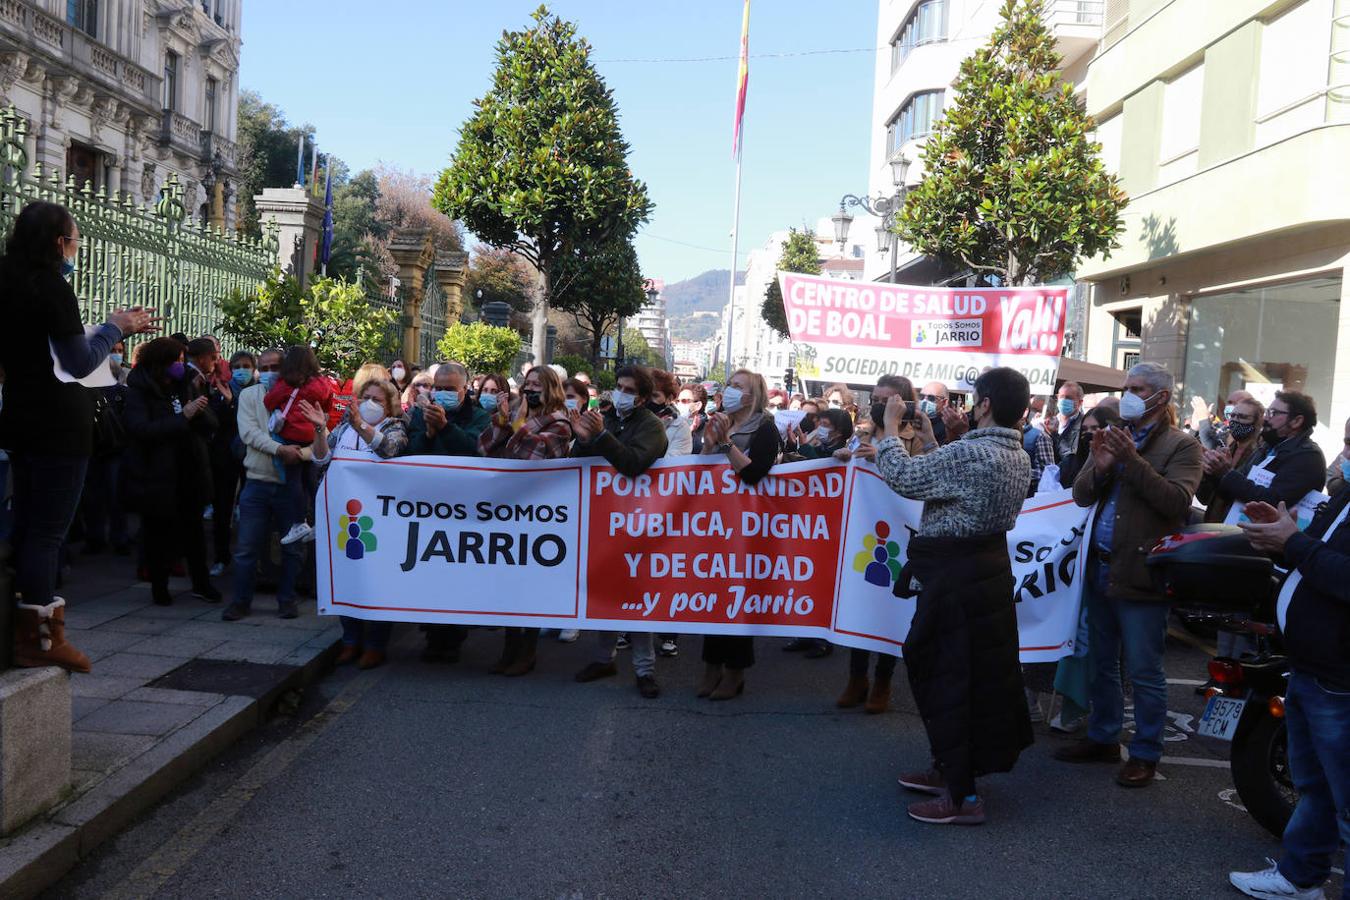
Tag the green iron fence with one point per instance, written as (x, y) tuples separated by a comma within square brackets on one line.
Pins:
[(433, 317), (136, 255)]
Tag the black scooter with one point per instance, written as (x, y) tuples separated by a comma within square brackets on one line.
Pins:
[(1212, 572)]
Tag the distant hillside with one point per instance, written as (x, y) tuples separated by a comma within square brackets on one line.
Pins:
[(702, 293)]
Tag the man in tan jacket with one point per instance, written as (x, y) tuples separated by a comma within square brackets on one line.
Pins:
[(1141, 481)]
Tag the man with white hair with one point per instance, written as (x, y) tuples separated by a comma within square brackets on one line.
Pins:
[(1141, 479)]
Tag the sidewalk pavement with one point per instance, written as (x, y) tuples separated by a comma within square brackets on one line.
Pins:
[(171, 687)]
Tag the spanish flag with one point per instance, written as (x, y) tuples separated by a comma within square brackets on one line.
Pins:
[(742, 80)]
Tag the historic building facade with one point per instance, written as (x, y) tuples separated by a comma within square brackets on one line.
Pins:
[(121, 93)]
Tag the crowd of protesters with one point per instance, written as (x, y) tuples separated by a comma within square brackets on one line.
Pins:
[(181, 436)]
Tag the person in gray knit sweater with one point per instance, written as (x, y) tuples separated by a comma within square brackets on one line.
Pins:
[(961, 654)]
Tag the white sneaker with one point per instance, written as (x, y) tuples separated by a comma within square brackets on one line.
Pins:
[(568, 635), (218, 569), (311, 535), (299, 531), (1269, 883), (1063, 726)]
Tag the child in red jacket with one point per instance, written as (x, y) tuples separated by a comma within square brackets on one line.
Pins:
[(299, 380)]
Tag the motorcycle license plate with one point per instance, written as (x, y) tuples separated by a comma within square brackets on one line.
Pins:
[(1221, 717)]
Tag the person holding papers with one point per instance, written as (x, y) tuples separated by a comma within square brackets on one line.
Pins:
[(1292, 465)]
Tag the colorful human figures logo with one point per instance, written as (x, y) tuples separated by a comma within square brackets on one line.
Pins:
[(879, 561), (354, 534)]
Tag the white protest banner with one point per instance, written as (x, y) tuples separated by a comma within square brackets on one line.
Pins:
[(858, 331), (1043, 549), (685, 547)]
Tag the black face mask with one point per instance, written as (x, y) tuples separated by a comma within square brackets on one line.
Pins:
[(532, 398), (1241, 430), (879, 414), (1270, 436)]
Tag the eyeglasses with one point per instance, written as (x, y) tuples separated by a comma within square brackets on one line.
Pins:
[(73, 240), (1272, 413), (933, 397)]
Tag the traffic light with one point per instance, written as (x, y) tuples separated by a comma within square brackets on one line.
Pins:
[(787, 380)]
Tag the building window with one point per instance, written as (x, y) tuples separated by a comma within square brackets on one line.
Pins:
[(914, 120), (171, 80), (1292, 75), (85, 165), (1110, 137), (1180, 146), (83, 14), (1264, 339), (926, 24), (209, 120)]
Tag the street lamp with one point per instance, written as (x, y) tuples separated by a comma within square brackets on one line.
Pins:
[(885, 208)]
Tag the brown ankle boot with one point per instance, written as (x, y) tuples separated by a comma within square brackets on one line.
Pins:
[(731, 685), (370, 659), (524, 662), (711, 676), (879, 699), (855, 692), (510, 650), (40, 638), (348, 653)]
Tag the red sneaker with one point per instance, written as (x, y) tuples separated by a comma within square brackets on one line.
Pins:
[(941, 811), (929, 782)]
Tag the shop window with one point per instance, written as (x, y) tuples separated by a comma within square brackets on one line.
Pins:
[(1265, 339)]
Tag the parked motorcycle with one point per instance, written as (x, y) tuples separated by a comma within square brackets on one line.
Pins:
[(1212, 572)]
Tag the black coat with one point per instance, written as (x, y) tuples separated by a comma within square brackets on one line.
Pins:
[(1317, 624), (961, 654), (166, 469)]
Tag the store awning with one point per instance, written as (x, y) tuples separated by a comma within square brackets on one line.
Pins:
[(1092, 377)]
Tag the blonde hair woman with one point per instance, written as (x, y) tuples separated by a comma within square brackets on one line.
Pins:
[(545, 432), (746, 433)]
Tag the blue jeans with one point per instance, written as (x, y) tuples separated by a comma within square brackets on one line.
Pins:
[(264, 506), (1319, 734), (369, 635), (1140, 629), (47, 491)]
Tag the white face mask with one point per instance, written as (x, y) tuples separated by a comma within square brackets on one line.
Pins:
[(398, 372), (685, 408), (824, 431), (372, 412), (623, 403), (731, 399), (1133, 407)]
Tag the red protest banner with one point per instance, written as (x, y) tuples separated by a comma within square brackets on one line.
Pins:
[(693, 544), (858, 331)]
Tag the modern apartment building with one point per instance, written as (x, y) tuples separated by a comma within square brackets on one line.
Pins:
[(120, 93), (1228, 122), (651, 319), (926, 41)]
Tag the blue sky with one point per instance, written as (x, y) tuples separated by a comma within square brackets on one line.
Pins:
[(393, 81)]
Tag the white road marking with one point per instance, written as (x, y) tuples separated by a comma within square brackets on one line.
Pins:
[(1195, 761)]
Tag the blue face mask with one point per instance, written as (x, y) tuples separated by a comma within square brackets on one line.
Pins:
[(446, 400), (268, 379), (242, 377), (1065, 406), (1345, 468), (67, 267), (928, 408), (116, 358), (488, 401)]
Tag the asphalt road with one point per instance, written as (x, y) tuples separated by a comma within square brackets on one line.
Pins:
[(445, 781)]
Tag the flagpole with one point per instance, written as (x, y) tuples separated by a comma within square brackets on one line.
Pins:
[(735, 256)]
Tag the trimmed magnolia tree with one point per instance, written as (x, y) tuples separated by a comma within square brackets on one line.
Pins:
[(541, 166), (480, 347), (1014, 185), (598, 286), (800, 254)]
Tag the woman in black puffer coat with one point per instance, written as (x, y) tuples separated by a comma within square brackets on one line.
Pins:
[(167, 470)]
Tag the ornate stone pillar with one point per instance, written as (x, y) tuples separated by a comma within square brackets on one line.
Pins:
[(450, 275), (413, 251), (299, 216)]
